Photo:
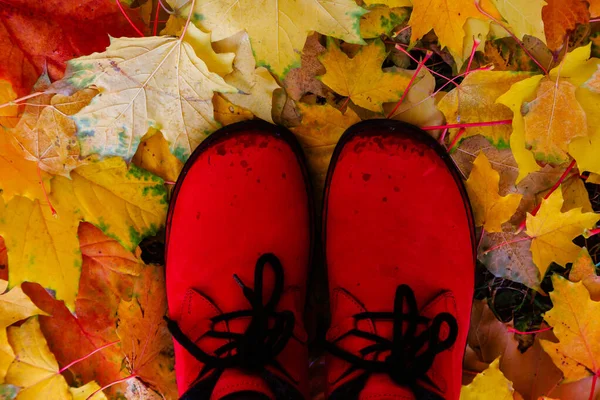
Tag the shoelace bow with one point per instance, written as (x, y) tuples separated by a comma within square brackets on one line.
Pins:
[(260, 344), (410, 354)]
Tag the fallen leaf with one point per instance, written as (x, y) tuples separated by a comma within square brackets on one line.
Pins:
[(490, 209), (154, 81), (227, 113), (584, 270), (594, 8), (18, 176), (576, 327), (84, 392), (489, 384), (321, 128), (7, 355), (154, 156), (523, 18), (419, 105), (302, 80), (126, 203), (360, 78), (381, 20), (390, 3), (46, 34), (278, 29), (35, 368), (446, 18), (46, 133), (255, 85), (585, 149), (42, 247), (8, 114), (575, 195), (552, 120), (552, 232), (16, 306), (593, 84), (561, 17), (144, 336), (520, 92), (474, 100)]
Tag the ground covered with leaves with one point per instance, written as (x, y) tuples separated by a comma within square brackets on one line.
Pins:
[(101, 103)]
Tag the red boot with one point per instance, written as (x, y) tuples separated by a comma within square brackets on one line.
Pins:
[(239, 241), (399, 245)]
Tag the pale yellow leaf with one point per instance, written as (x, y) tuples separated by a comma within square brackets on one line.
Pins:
[(84, 392), (489, 384)]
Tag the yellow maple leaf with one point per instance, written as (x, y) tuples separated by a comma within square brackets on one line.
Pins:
[(84, 392), (553, 231), (490, 209), (18, 176), (277, 28), (489, 384), (593, 84), (42, 247), (154, 156), (35, 368), (15, 306), (584, 270), (524, 18), (256, 85), (585, 150), (574, 318), (151, 81), (552, 120), (518, 93), (126, 203), (360, 78), (321, 128), (446, 18), (47, 134), (7, 355), (381, 20), (475, 101)]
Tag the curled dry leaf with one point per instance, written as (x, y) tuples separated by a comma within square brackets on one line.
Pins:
[(154, 156), (302, 80)]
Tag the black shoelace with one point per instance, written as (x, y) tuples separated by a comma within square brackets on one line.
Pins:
[(266, 336), (410, 354)]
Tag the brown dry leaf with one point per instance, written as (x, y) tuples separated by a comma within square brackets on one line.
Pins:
[(583, 269), (302, 80), (575, 195), (144, 336), (47, 134), (561, 17)]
